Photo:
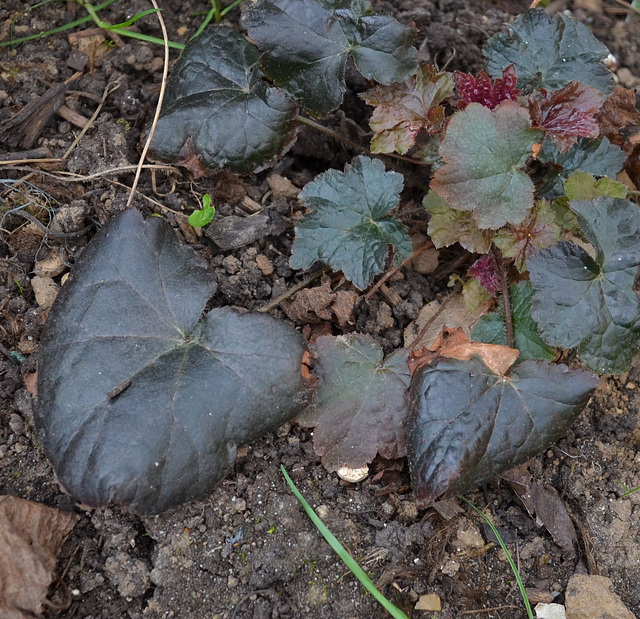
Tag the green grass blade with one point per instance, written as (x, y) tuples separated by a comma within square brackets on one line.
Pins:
[(347, 559), (73, 24), (514, 568)]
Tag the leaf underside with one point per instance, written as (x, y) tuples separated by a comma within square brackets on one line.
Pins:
[(306, 44), (348, 227), (219, 112), (140, 400), (491, 328), (549, 53), (467, 424), (361, 402), (484, 150), (590, 303)]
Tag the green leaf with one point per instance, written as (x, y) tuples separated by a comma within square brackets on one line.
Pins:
[(405, 108), (467, 424), (306, 44), (549, 53), (583, 186), (448, 226), (219, 112), (597, 157), (537, 231), (491, 328), (141, 399), (361, 402), (484, 151), (203, 216), (349, 228), (591, 304)]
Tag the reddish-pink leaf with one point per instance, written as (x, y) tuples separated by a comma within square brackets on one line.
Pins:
[(567, 114), (481, 90), (485, 270)]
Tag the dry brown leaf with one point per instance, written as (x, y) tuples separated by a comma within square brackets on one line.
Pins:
[(455, 314), (454, 344), (544, 505), (31, 536), (618, 111)]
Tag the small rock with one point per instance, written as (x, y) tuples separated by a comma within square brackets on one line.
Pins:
[(231, 264), (550, 611), (627, 79), (282, 187), (51, 266), (593, 597), (384, 317), (264, 264), (430, 601), (322, 511), (16, 424), (451, 568), (46, 291), (427, 261)]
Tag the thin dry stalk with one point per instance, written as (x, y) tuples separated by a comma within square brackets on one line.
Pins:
[(163, 86)]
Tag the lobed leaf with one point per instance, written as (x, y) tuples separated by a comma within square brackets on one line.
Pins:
[(405, 108), (597, 157), (468, 424), (218, 111), (491, 328), (349, 227), (590, 303), (361, 402), (583, 186), (549, 52), (448, 226), (140, 400), (482, 90), (306, 44), (538, 230), (484, 150), (567, 114)]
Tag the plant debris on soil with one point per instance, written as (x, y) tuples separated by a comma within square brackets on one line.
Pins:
[(247, 549)]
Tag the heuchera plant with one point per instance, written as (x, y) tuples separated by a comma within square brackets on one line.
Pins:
[(523, 175)]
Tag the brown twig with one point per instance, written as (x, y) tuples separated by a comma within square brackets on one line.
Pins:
[(431, 320), (392, 272), (289, 293), (484, 611), (165, 73), (109, 88), (48, 231), (628, 6)]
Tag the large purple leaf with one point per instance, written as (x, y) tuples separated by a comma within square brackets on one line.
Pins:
[(468, 424), (361, 402), (140, 400)]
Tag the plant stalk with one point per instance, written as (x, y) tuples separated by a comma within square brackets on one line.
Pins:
[(504, 285)]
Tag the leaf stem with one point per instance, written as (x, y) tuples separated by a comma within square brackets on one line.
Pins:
[(504, 285)]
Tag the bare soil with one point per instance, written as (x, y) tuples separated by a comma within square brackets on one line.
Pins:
[(248, 549)]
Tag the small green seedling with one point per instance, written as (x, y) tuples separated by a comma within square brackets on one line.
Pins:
[(203, 216), (347, 559)]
